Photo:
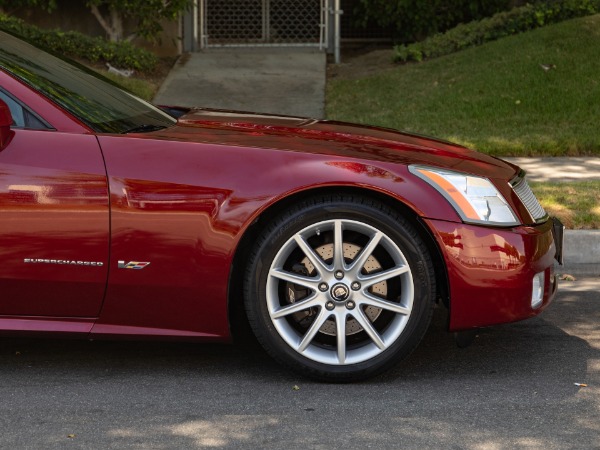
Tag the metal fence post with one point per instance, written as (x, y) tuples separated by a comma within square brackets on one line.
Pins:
[(338, 31)]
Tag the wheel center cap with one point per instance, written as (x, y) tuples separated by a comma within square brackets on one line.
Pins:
[(340, 292)]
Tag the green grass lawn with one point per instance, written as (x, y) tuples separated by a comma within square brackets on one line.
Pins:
[(140, 87), (574, 203), (495, 98)]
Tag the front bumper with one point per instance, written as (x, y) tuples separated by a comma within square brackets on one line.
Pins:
[(491, 270)]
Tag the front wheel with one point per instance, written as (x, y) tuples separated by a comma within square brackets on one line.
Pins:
[(339, 288)]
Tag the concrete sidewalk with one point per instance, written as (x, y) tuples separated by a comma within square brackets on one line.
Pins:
[(559, 169), (288, 81)]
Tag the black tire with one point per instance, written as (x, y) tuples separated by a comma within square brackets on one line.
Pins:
[(358, 326)]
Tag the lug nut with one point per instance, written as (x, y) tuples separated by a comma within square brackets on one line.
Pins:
[(339, 274), (329, 306), (350, 304), (323, 287), (355, 286)]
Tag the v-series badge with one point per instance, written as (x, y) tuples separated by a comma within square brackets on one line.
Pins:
[(133, 265)]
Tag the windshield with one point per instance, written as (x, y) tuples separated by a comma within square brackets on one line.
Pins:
[(97, 102)]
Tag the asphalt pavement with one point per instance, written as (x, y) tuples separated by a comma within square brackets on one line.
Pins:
[(513, 388)]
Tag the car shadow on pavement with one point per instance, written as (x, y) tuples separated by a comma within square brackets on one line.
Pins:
[(514, 387), (536, 347)]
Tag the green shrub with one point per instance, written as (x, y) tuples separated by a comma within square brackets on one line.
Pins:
[(76, 45), (502, 24), (413, 20)]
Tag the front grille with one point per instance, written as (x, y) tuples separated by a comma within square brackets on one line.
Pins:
[(524, 192)]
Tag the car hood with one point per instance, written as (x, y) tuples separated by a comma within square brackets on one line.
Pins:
[(332, 138)]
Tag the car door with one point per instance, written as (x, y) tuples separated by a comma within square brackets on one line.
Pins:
[(54, 219)]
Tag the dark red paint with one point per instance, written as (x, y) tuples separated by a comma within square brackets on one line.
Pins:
[(182, 199), (491, 271)]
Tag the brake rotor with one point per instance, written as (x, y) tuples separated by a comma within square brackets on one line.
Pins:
[(350, 252)]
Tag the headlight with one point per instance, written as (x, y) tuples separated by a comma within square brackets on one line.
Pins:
[(475, 198)]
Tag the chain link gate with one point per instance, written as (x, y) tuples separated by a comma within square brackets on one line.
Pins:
[(238, 23)]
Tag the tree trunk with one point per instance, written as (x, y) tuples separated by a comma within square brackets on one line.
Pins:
[(112, 24)]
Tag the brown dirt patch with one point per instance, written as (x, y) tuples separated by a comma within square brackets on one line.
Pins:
[(361, 63)]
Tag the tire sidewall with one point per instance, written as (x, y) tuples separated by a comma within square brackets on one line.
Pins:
[(382, 218)]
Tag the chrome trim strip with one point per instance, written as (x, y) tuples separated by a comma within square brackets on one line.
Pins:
[(521, 188)]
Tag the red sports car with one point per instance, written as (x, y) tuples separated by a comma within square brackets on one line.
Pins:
[(334, 241)]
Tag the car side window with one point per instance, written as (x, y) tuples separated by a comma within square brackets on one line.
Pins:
[(16, 110), (22, 117)]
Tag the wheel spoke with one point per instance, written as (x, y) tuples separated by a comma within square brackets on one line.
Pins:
[(378, 277), (338, 246), (314, 329), (339, 251), (360, 261), (371, 300), (366, 324), (307, 282), (312, 256), (302, 305), (340, 322)]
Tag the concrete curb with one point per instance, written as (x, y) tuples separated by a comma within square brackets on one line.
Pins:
[(581, 252), (579, 270)]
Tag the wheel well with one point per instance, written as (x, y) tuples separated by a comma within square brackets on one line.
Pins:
[(237, 315)]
